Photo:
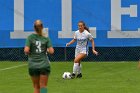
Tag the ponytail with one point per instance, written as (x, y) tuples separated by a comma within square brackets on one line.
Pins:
[(86, 28)]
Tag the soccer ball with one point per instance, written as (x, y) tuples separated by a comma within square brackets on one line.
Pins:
[(66, 75)]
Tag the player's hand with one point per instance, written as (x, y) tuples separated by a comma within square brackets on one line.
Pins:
[(67, 44), (27, 53), (95, 52)]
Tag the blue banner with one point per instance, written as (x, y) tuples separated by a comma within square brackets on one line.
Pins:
[(113, 23)]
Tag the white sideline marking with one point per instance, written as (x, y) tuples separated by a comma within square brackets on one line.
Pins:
[(12, 67)]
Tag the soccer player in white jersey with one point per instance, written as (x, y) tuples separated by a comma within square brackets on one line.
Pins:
[(82, 36)]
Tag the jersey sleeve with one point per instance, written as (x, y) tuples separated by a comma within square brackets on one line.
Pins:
[(27, 43), (90, 36), (49, 43)]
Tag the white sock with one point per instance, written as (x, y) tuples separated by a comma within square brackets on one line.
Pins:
[(79, 69), (75, 67)]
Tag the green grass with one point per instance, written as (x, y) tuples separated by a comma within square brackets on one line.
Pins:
[(98, 77)]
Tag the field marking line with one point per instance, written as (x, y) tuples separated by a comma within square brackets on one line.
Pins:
[(12, 67)]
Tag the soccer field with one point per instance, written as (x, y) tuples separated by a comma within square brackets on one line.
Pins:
[(98, 77)]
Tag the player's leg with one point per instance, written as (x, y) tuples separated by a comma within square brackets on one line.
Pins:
[(79, 71), (76, 65), (43, 83), (36, 85), (44, 75), (34, 73)]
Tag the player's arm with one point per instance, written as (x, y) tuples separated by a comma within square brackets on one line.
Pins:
[(27, 46), (50, 49), (71, 42), (90, 37), (93, 47)]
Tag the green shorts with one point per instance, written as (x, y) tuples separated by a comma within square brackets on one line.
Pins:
[(38, 72)]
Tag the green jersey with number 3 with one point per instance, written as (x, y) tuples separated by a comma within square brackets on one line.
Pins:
[(38, 46)]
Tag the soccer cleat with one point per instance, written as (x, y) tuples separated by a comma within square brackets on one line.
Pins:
[(72, 75), (79, 75)]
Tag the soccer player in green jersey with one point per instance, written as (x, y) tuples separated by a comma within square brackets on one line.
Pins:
[(36, 47)]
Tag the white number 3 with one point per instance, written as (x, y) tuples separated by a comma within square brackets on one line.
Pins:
[(38, 45)]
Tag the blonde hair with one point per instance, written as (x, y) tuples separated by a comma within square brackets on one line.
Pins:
[(38, 26)]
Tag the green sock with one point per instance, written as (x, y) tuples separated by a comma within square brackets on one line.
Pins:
[(43, 90)]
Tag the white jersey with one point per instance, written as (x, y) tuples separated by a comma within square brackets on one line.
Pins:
[(82, 41)]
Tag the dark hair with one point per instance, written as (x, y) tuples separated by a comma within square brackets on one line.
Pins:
[(85, 27), (38, 28)]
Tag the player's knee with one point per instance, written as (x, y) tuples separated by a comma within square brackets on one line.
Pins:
[(76, 60), (36, 86)]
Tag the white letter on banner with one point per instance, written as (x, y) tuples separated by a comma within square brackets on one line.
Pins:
[(67, 21), (19, 22), (116, 12)]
